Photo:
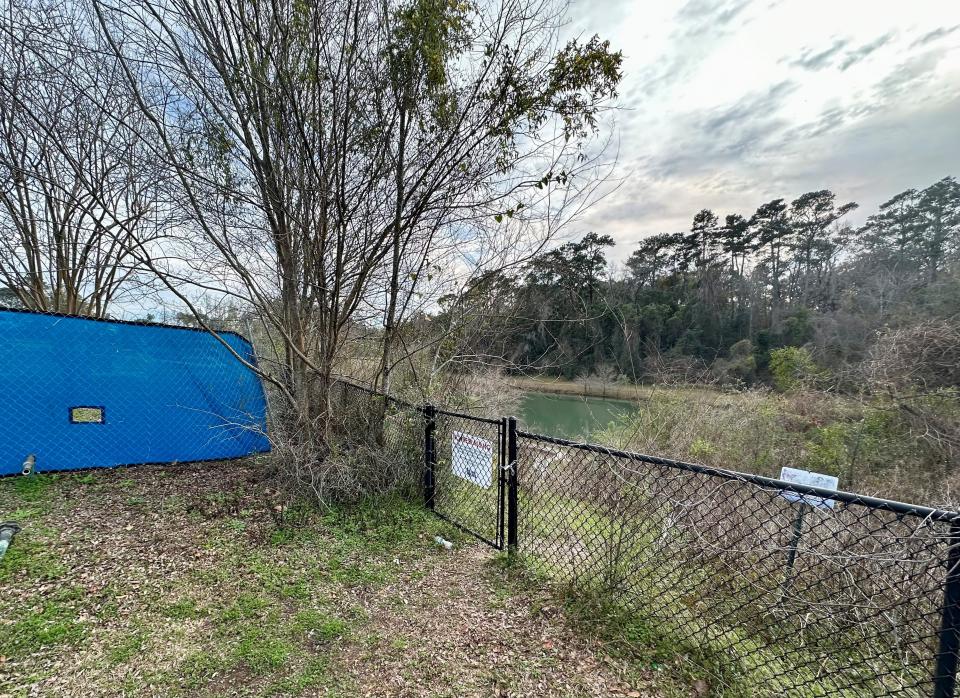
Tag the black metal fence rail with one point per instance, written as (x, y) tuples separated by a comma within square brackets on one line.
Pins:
[(775, 588)]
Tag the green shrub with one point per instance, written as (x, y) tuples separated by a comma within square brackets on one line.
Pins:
[(793, 368)]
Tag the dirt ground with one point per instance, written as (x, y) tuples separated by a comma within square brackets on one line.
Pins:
[(194, 580)]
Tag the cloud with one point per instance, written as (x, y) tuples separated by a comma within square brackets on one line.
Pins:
[(698, 26), (880, 156), (719, 136), (731, 103), (819, 59), (908, 77), (811, 59), (701, 16), (721, 121), (934, 35), (858, 54), (829, 120), (632, 207)]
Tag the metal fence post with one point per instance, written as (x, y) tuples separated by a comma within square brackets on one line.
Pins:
[(502, 484), (512, 498), (429, 455), (792, 550), (946, 672)]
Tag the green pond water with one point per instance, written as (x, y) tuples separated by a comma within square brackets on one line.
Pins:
[(569, 417)]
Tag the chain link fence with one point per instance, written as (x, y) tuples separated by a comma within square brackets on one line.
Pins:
[(378, 438), (775, 588), (467, 462), (787, 591)]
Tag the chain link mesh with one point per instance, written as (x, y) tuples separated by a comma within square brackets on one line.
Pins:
[(468, 487), (798, 599), (383, 428)]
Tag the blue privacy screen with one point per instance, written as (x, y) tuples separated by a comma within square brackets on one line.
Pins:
[(82, 393)]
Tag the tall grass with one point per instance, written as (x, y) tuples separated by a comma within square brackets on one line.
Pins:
[(867, 444)]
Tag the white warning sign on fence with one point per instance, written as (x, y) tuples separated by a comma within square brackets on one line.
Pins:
[(472, 459), (806, 477)]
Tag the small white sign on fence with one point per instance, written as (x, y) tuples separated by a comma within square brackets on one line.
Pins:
[(472, 459), (805, 477)]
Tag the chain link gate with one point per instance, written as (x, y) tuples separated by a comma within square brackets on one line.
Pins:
[(468, 478)]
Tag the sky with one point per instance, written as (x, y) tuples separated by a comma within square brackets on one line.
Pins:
[(727, 104)]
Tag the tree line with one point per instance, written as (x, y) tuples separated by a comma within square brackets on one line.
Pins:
[(715, 300)]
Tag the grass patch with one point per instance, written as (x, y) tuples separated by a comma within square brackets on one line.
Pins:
[(127, 647), (199, 668), (314, 674), (319, 626), (236, 525), (33, 488), (25, 514), (646, 646), (182, 609), (29, 561), (385, 523), (244, 607), (649, 646), (262, 651), (53, 622)]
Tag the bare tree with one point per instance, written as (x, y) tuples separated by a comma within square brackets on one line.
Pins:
[(333, 155), (75, 191)]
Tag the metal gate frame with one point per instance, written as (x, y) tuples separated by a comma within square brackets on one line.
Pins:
[(505, 523)]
